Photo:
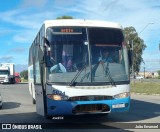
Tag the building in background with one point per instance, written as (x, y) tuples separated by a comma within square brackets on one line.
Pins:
[(148, 74)]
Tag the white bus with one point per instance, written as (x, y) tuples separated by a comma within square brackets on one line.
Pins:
[(68, 71)]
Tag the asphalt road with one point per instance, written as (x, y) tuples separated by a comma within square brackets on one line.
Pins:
[(18, 108)]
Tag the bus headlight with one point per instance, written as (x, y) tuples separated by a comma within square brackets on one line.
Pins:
[(122, 95), (57, 97)]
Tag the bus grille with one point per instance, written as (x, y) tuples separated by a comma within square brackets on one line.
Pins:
[(90, 98), (91, 108)]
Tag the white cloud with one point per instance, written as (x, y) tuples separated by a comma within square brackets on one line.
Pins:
[(64, 2), (33, 3), (4, 32), (6, 59), (20, 39), (17, 17), (25, 36), (18, 50), (135, 13)]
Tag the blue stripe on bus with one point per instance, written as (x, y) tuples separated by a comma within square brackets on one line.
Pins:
[(66, 107)]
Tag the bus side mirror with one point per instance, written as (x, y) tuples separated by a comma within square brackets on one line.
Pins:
[(130, 57), (47, 55), (130, 52), (48, 61), (46, 42), (130, 42)]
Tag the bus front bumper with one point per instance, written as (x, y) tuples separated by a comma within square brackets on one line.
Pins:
[(87, 107)]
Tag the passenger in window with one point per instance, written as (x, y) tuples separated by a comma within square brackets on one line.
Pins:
[(67, 55), (105, 56), (58, 68), (69, 64)]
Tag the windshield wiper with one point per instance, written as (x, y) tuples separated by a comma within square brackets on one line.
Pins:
[(93, 72), (73, 83), (107, 72)]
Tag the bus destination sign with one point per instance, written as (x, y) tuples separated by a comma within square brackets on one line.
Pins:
[(65, 30)]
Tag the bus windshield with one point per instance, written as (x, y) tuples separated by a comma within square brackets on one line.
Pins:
[(87, 55)]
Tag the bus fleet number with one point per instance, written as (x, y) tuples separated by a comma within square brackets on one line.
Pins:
[(58, 92)]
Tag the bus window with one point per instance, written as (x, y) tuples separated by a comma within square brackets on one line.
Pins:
[(67, 56)]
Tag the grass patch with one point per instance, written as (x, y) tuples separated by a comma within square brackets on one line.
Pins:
[(145, 87), (24, 80)]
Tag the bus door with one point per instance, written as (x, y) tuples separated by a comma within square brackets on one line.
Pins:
[(38, 79)]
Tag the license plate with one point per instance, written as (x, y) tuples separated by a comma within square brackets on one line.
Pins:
[(118, 106)]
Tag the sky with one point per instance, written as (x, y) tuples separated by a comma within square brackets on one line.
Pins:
[(20, 20)]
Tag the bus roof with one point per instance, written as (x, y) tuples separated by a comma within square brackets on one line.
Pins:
[(81, 22)]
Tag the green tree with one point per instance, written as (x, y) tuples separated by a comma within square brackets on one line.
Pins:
[(24, 74), (138, 47), (65, 17), (158, 74)]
